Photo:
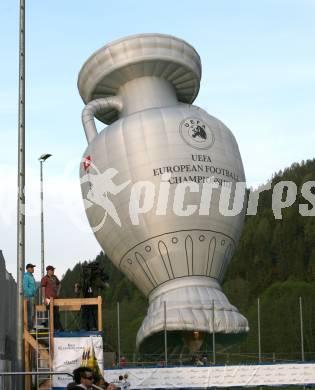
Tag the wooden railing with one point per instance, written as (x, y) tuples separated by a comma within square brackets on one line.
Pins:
[(71, 304)]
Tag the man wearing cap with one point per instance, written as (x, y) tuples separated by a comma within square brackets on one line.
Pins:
[(50, 289), (29, 291)]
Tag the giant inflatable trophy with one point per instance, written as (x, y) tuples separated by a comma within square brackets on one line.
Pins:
[(156, 145)]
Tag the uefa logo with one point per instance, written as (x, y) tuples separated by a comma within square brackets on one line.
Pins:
[(196, 133)]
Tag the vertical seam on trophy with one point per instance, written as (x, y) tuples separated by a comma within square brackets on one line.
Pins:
[(168, 258), (137, 254), (191, 258), (213, 239)]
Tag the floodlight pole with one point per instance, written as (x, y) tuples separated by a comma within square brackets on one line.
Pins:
[(42, 159), (213, 333), (42, 249), (259, 330), (118, 334), (21, 197), (301, 329), (165, 335)]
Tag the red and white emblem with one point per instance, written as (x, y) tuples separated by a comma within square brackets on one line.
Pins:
[(87, 162)]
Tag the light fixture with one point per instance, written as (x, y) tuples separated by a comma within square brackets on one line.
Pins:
[(44, 156)]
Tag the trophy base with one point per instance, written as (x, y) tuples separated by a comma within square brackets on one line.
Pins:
[(188, 317)]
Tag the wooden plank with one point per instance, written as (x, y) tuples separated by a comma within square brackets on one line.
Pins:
[(26, 356), (46, 384), (51, 324), (33, 343), (99, 312), (41, 308), (70, 308), (27, 383), (75, 301), (27, 365), (25, 315)]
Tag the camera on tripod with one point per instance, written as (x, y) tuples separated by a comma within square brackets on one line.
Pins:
[(93, 280)]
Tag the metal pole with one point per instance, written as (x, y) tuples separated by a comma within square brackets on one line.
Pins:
[(42, 159), (118, 333), (301, 327), (165, 335), (21, 197), (213, 332), (35, 373), (42, 250), (259, 337)]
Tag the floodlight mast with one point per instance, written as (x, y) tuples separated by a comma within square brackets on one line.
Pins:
[(42, 159)]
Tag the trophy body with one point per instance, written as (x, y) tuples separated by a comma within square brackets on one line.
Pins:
[(156, 144)]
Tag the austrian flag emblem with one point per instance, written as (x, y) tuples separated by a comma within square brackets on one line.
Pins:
[(87, 162)]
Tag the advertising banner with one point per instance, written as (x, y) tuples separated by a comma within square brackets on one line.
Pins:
[(218, 376), (75, 349)]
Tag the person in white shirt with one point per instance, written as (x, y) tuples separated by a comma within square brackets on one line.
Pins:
[(125, 383)]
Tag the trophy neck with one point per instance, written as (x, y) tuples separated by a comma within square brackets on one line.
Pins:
[(146, 92)]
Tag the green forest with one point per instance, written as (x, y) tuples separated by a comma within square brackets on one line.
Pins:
[(275, 261)]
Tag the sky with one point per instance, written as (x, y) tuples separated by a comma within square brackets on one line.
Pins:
[(258, 60)]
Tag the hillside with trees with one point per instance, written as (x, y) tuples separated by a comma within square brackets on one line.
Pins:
[(275, 261)]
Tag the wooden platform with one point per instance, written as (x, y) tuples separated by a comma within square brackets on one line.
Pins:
[(30, 342)]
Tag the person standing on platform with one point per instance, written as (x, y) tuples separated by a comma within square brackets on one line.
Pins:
[(50, 289), (29, 291)]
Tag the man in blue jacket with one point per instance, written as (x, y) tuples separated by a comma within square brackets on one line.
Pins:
[(29, 291)]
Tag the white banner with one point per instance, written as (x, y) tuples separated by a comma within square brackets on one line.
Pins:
[(71, 352), (219, 376)]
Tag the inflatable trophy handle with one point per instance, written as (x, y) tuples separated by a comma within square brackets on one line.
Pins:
[(95, 107)]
